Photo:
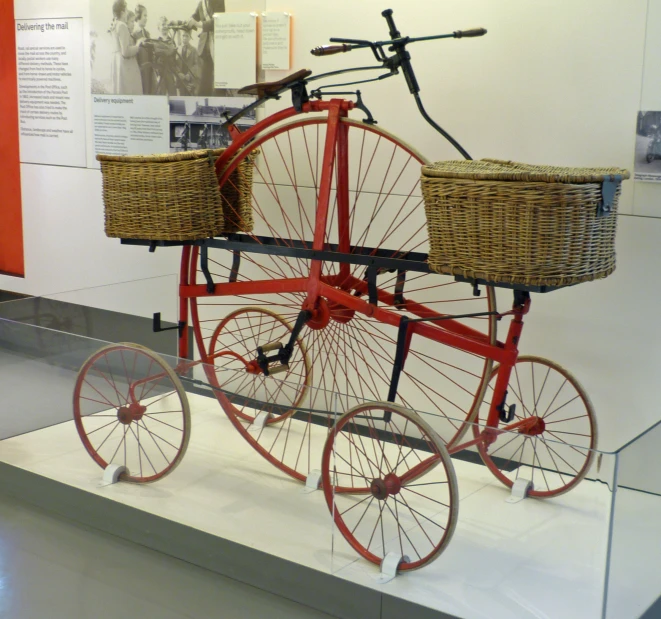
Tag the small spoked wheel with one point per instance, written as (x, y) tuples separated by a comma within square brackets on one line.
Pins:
[(131, 409), (554, 450), (390, 484), (266, 410), (233, 351)]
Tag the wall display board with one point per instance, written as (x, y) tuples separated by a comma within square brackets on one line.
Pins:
[(647, 165), (130, 125), (276, 41), (153, 77), (195, 122), (49, 55), (235, 39)]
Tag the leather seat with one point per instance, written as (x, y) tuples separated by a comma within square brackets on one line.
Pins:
[(264, 89)]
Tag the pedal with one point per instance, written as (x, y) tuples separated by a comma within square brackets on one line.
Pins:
[(270, 347), (277, 369)]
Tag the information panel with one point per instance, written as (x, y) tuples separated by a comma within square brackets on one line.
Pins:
[(125, 125), (235, 55), (49, 55), (276, 35)]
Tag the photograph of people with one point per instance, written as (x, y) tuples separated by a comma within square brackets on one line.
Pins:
[(154, 47), (126, 77), (189, 66), (145, 53), (202, 19), (165, 60)]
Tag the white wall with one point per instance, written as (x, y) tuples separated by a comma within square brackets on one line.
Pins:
[(553, 81)]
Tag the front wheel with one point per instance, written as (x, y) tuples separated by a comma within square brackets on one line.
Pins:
[(390, 484), (556, 449)]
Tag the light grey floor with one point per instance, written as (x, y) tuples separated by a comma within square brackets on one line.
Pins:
[(54, 569)]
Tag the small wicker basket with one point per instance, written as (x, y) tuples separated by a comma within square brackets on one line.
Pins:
[(517, 224), (174, 197)]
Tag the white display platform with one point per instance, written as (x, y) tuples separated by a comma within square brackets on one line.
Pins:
[(542, 559)]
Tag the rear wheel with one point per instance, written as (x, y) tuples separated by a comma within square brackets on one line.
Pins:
[(556, 450)]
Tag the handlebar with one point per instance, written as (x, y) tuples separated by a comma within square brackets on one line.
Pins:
[(400, 59), (328, 50), (474, 32), (396, 42), (394, 33)]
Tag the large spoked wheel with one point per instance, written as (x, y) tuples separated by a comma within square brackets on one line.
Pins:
[(376, 197), (390, 484), (233, 349), (555, 449), (131, 409)]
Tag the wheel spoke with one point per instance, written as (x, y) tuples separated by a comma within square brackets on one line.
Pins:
[(546, 390)]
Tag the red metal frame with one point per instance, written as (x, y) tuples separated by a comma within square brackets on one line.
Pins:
[(339, 289)]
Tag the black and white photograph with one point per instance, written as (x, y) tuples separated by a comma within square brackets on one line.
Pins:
[(647, 166), (153, 47), (196, 122)]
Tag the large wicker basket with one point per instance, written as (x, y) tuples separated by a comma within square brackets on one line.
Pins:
[(174, 197), (517, 224)]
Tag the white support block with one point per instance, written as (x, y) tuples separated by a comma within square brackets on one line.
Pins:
[(520, 490), (389, 567), (312, 481), (260, 421), (112, 473)]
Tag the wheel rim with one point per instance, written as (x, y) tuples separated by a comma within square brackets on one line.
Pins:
[(353, 354), (147, 433), (555, 452), (390, 485)]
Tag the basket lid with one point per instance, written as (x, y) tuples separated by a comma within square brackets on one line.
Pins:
[(166, 157), (497, 170)]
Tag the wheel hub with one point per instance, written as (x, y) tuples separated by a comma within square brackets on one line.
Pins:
[(535, 427), (381, 489), (130, 413), (253, 367), (320, 315)]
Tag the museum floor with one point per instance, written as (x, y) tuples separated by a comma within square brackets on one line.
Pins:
[(53, 569)]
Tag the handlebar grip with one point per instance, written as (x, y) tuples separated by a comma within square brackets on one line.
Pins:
[(473, 32), (327, 50), (394, 33)]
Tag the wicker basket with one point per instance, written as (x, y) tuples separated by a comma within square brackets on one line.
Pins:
[(511, 223), (236, 196), (174, 197)]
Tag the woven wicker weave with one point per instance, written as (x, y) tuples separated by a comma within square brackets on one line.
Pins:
[(173, 197), (514, 223), (236, 195)]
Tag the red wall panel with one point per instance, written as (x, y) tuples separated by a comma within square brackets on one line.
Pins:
[(11, 226)]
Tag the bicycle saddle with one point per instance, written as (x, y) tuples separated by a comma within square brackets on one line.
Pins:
[(268, 88)]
